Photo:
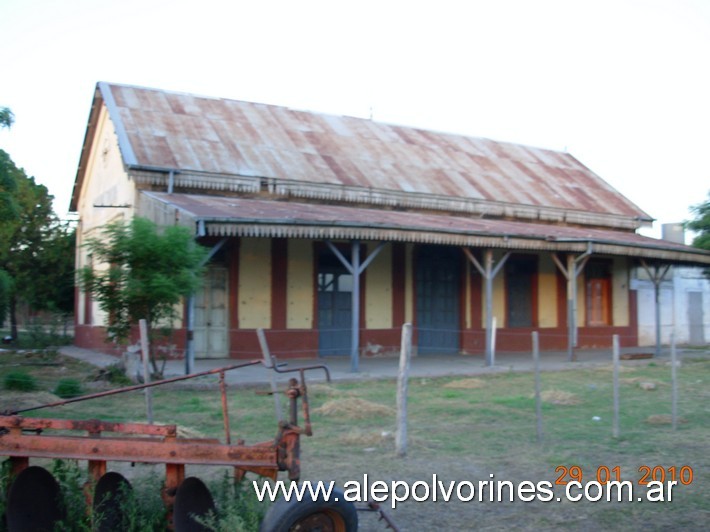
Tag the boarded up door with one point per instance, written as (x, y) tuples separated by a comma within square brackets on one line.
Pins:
[(520, 292), (598, 302), (211, 315), (438, 292)]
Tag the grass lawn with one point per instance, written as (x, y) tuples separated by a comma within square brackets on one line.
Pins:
[(464, 429)]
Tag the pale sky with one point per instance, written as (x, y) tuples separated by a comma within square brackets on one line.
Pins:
[(623, 85)]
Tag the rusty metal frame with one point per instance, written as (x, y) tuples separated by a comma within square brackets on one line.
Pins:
[(22, 438)]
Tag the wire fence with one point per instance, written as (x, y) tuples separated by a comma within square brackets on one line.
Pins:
[(305, 343)]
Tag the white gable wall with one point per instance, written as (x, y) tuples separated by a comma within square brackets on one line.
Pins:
[(107, 194)]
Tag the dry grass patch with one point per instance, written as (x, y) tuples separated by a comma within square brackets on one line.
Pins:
[(12, 401), (189, 433), (353, 408), (368, 438), (622, 368), (663, 419), (466, 384), (560, 397), (642, 382), (326, 390)]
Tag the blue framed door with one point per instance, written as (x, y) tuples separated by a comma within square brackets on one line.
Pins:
[(335, 287), (437, 285)]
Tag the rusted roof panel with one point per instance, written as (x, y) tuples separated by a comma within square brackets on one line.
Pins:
[(223, 216), (192, 133)]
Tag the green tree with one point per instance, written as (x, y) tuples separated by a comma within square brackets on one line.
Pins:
[(147, 273), (24, 237), (6, 286), (7, 118), (49, 283), (701, 224), (8, 208)]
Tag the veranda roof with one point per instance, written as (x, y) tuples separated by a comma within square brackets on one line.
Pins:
[(249, 217)]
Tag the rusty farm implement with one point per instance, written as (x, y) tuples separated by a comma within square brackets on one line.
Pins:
[(32, 496)]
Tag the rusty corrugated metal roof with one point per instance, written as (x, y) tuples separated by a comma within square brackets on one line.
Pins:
[(225, 216), (165, 130)]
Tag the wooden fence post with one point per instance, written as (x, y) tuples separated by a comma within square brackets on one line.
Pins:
[(269, 364), (402, 386), (538, 400), (143, 328), (674, 384), (615, 355)]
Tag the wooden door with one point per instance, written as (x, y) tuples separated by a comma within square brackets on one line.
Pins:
[(211, 317), (598, 302)]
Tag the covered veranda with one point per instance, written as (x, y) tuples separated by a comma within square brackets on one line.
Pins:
[(487, 243)]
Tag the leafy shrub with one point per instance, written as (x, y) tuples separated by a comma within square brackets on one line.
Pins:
[(68, 388), (115, 374), (238, 509), (45, 331), (73, 499), (20, 381), (141, 508)]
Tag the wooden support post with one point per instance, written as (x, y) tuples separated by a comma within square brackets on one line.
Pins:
[(355, 333), (574, 266), (405, 356), (488, 272), (571, 308), (355, 267), (656, 276)]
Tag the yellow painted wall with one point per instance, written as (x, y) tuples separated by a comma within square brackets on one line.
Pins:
[(498, 300), (620, 292), (547, 292), (378, 289), (255, 283), (581, 300), (300, 286)]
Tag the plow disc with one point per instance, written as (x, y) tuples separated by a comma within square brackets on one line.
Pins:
[(111, 491), (192, 500), (33, 502)]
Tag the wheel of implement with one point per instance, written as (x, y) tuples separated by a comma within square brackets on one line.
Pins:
[(110, 494), (309, 515), (193, 499), (33, 502)]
